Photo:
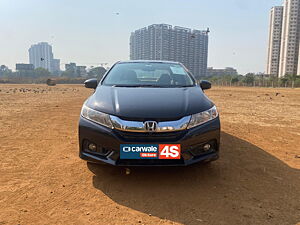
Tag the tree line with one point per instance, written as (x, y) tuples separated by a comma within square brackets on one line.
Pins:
[(40, 75), (253, 80)]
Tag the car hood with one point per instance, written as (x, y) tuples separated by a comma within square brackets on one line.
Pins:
[(149, 103)]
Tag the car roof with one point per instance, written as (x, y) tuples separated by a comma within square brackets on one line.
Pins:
[(148, 61)]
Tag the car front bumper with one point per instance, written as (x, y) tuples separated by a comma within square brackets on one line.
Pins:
[(108, 143)]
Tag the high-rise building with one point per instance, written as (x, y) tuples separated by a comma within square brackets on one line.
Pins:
[(276, 16), (289, 53), (41, 55), (289, 32), (164, 42)]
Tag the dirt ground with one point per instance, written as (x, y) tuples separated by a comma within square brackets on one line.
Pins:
[(43, 181)]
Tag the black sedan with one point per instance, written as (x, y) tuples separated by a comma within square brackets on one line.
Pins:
[(148, 113)]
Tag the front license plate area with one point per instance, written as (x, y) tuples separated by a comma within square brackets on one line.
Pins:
[(150, 151)]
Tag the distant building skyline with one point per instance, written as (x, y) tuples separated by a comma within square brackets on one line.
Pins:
[(164, 42), (74, 70), (238, 38)]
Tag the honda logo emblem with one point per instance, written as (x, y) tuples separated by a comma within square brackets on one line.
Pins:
[(150, 126)]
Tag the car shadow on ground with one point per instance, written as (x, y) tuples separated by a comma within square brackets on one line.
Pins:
[(245, 186)]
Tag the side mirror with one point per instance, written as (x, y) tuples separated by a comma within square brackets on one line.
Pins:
[(91, 83), (205, 85)]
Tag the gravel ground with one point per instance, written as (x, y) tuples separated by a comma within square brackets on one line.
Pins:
[(43, 181)]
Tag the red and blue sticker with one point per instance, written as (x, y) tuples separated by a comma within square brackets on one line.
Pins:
[(149, 151)]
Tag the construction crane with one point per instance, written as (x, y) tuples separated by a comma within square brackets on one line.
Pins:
[(90, 63), (103, 64), (208, 31)]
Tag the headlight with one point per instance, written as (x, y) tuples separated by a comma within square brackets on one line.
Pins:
[(203, 117), (95, 116)]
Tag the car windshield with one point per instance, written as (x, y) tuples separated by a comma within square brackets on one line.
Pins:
[(139, 74)]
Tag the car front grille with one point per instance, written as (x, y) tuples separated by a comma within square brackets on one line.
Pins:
[(168, 137), (147, 126)]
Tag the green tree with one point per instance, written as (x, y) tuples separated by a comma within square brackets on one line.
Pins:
[(274, 80), (234, 80), (249, 78), (292, 78), (41, 72), (97, 72), (283, 81), (5, 71), (68, 73)]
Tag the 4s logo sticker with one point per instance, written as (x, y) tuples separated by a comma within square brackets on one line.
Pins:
[(169, 151)]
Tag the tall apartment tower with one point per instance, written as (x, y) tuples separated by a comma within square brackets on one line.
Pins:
[(289, 53), (164, 42), (276, 17), (40, 55)]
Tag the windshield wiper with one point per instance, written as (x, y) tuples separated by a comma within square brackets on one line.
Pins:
[(185, 85), (124, 85), (136, 85), (151, 85)]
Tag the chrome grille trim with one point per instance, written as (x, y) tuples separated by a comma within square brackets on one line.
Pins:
[(137, 126)]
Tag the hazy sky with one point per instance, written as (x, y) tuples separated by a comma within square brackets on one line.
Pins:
[(90, 31)]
